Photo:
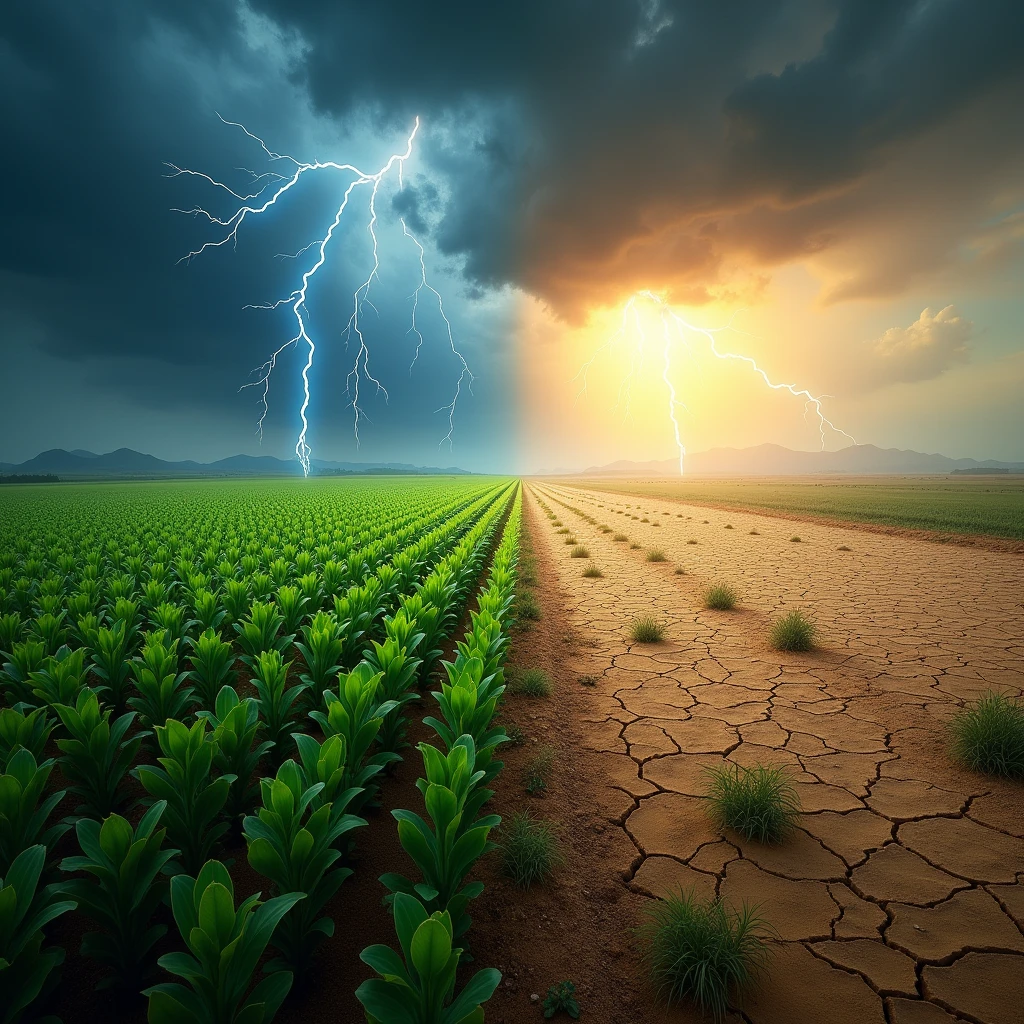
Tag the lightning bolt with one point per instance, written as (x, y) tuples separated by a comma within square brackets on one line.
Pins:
[(272, 186), (676, 328)]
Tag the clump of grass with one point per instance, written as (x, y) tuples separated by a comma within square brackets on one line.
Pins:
[(728, 526), (592, 572), (760, 802), (538, 770), (579, 552), (656, 555), (645, 520), (754, 533), (793, 632), (691, 541), (529, 851), (528, 570), (533, 682), (795, 539), (702, 950), (515, 734), (842, 547), (656, 524), (634, 546), (620, 537), (646, 629), (988, 736), (680, 571), (605, 529), (704, 521), (720, 597), (571, 539), (588, 680), (527, 607), (564, 529)]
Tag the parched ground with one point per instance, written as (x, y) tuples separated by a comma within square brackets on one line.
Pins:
[(901, 897)]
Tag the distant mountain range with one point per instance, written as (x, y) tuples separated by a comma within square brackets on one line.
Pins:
[(774, 460), (126, 464)]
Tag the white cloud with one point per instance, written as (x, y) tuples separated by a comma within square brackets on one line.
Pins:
[(927, 348)]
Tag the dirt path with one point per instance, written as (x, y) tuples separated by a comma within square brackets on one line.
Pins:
[(902, 895)]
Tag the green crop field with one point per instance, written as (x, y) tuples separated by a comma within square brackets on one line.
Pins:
[(204, 677), (983, 505)]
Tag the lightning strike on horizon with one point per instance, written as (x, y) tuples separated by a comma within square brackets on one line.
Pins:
[(673, 322), (255, 204)]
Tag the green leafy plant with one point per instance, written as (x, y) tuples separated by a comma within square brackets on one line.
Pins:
[(447, 848), (529, 849), (561, 998), (720, 597), (25, 967), (183, 780), (207, 610), (321, 651), (225, 945), (702, 950), (647, 629), (60, 677), (988, 736), (213, 664), (397, 666), (19, 729), (291, 603), (294, 846), (124, 892), (162, 694), (793, 632), (261, 632), (110, 664), (275, 698), (235, 724), (759, 802), (356, 713), (97, 755), (419, 986), (23, 808)]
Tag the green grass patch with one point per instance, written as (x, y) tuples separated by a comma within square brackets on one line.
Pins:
[(646, 629), (760, 802), (529, 849), (592, 572), (537, 772), (656, 555), (720, 597), (703, 951), (532, 682), (526, 606), (579, 552), (793, 632), (988, 736)]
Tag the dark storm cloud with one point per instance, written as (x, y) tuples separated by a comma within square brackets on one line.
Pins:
[(626, 137), (576, 149)]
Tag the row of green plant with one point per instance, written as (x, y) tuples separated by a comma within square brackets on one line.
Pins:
[(201, 784), (431, 912)]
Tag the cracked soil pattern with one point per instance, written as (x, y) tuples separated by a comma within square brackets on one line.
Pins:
[(900, 897)]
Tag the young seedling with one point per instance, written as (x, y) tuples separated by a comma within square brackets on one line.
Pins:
[(703, 951), (759, 802), (561, 998), (538, 770)]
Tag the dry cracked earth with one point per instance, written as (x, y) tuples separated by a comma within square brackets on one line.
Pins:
[(901, 896)]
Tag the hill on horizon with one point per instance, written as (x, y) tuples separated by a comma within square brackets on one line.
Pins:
[(775, 460), (126, 463)]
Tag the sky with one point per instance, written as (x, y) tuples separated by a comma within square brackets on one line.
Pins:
[(833, 189)]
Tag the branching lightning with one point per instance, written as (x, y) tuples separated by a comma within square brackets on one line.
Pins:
[(677, 329), (270, 187)]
